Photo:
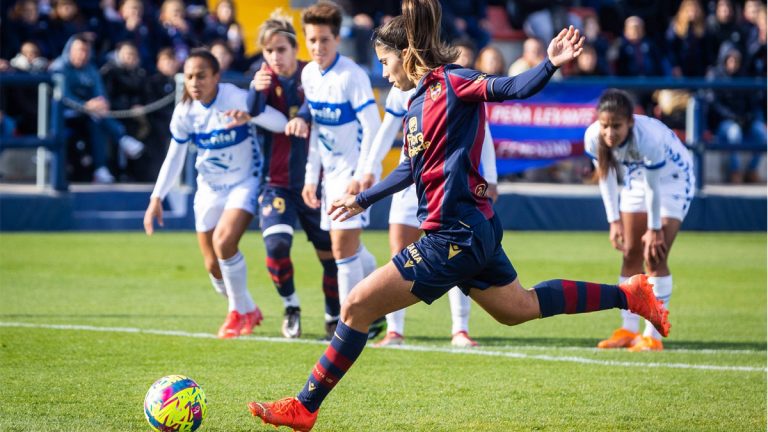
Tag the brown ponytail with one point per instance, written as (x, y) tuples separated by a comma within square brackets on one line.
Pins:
[(617, 102), (425, 49)]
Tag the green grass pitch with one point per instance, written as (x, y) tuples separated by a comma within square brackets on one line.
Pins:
[(88, 321)]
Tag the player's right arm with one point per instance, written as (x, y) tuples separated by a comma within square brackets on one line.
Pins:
[(312, 172), (609, 189)]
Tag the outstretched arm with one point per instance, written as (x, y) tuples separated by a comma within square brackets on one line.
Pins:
[(352, 205)]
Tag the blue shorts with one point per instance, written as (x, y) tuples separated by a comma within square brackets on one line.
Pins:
[(282, 206), (464, 255)]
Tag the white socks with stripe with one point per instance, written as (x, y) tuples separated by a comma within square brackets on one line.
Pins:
[(396, 322), (459, 310), (368, 260), (662, 288), (350, 273), (233, 272)]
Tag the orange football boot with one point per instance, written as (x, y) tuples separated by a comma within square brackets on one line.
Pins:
[(621, 338), (645, 343), (232, 326), (642, 301), (462, 340), (284, 412), (252, 319), (390, 339)]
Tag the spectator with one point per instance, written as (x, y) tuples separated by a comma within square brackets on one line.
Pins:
[(690, 46), (724, 27), (225, 57), (586, 64), (533, 54), (24, 107), (67, 21), (25, 24), (467, 50), (161, 84), (132, 28), (599, 43), (491, 61), (638, 55), (756, 48), (83, 86), (223, 25), (736, 116), (366, 15), (538, 18), (29, 58), (124, 81), (175, 30), (465, 19)]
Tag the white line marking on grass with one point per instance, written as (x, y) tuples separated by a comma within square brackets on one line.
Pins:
[(474, 351)]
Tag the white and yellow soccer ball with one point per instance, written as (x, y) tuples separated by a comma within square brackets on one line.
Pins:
[(175, 403)]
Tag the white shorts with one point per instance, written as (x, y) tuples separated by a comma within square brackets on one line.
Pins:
[(676, 196), (334, 189), (404, 207), (210, 203)]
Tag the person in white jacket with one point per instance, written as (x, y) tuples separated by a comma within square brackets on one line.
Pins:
[(214, 117), (646, 214)]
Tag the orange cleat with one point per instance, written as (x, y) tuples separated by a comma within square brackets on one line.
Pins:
[(252, 319), (284, 412), (621, 338), (390, 339), (642, 301), (232, 326), (462, 340), (645, 343)]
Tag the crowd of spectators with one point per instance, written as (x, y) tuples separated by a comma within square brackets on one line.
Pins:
[(142, 43)]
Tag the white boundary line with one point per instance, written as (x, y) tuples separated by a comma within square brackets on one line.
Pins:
[(477, 352)]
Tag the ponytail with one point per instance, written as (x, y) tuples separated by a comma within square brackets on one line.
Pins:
[(425, 49)]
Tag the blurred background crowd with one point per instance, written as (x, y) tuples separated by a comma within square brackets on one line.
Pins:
[(119, 57)]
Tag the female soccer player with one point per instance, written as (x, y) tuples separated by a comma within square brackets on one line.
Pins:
[(278, 84), (403, 221), (462, 245), (658, 189), (344, 121), (213, 117)]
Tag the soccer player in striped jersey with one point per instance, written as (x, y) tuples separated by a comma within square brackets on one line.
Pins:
[(462, 244), (646, 214), (344, 120), (278, 84), (213, 117)]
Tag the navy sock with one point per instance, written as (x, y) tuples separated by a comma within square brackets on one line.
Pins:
[(560, 296), (345, 347), (279, 262), (331, 287)]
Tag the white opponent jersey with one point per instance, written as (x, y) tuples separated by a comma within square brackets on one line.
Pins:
[(225, 157), (650, 145), (335, 96)]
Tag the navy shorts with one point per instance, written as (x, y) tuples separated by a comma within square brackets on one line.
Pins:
[(464, 255), (282, 206)]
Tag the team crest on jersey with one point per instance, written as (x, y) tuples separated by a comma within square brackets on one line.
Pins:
[(480, 77), (279, 91), (435, 90), (481, 189), (413, 124)]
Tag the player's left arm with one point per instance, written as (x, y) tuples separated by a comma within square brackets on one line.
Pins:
[(654, 159), (360, 96)]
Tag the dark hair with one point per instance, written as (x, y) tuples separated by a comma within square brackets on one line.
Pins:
[(323, 13), (616, 102), (425, 49), (391, 35), (206, 56)]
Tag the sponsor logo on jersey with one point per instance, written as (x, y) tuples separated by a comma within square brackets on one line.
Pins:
[(415, 255), (217, 139), (480, 77), (326, 114), (413, 124), (416, 144)]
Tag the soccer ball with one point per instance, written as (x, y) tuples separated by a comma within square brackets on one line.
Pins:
[(175, 403)]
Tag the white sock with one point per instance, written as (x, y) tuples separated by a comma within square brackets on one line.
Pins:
[(234, 274), (662, 288), (291, 301), (396, 322), (630, 321), (218, 285), (368, 260), (350, 273), (459, 310)]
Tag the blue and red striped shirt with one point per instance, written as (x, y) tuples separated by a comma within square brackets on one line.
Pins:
[(444, 131), (285, 157)]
